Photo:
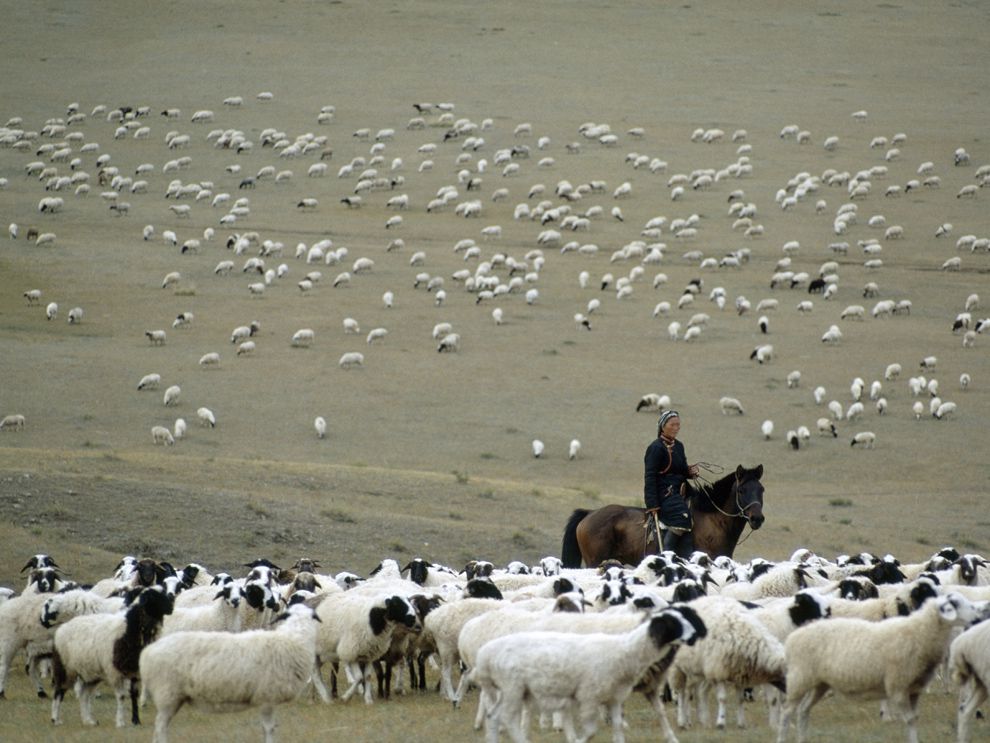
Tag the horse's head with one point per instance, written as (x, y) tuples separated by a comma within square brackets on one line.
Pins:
[(749, 494)]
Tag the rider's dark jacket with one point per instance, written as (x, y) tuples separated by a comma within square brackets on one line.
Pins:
[(664, 474)]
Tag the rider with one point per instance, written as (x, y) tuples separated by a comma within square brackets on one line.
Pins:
[(666, 470)]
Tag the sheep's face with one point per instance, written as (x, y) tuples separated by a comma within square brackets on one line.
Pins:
[(957, 610), (49, 613), (45, 579), (399, 610)]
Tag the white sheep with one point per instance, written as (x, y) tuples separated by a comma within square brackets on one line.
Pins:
[(320, 424), (351, 360), (969, 664), (51, 311), (14, 421), (303, 338), (730, 405), (209, 359), (161, 435), (739, 650), (865, 438), (537, 448), (106, 647), (206, 417), (574, 449), (171, 397), (575, 673), (179, 428), (451, 342), (351, 325), (259, 668), (444, 625), (376, 334), (356, 629), (891, 660), (155, 337), (222, 614), (20, 628)]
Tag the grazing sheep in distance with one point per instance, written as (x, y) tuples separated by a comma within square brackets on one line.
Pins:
[(156, 337), (320, 425), (180, 428), (14, 422), (210, 359), (303, 338), (537, 448), (51, 311), (206, 417), (450, 343), (172, 395), (351, 359), (730, 405), (224, 671), (865, 438), (161, 435), (150, 382), (574, 449)]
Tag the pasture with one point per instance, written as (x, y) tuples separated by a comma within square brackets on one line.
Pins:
[(429, 454)]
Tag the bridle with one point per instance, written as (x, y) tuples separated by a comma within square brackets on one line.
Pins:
[(741, 510)]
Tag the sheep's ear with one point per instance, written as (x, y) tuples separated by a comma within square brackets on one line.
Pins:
[(219, 595)]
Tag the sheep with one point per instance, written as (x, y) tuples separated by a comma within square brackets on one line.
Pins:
[(303, 338), (206, 417), (106, 647), (161, 435), (351, 360), (231, 671), (537, 448), (51, 311), (320, 424), (738, 650), (969, 664), (33, 296), (19, 623), (171, 397), (451, 342), (767, 429), (730, 405), (376, 334), (560, 671), (220, 615), (155, 337), (210, 359), (866, 438), (14, 422), (891, 660), (355, 630)]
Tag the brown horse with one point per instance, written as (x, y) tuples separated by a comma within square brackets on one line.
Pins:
[(719, 512)]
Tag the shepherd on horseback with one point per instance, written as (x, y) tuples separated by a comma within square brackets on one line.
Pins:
[(667, 472)]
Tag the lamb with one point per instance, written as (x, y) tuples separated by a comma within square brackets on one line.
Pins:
[(231, 671), (560, 670), (98, 647), (969, 663), (891, 660), (355, 630)]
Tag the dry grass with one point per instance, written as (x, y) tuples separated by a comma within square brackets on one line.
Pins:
[(428, 454)]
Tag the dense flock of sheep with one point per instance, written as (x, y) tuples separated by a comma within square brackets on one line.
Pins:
[(213, 217), (564, 646)]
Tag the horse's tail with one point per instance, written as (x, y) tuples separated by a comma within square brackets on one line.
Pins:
[(570, 552)]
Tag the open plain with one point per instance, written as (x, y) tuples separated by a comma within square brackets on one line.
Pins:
[(429, 454)]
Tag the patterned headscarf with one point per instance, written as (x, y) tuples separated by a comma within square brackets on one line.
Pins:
[(666, 416)]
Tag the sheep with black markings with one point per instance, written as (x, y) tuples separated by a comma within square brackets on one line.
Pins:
[(355, 630), (892, 660), (20, 624), (575, 674), (223, 671), (221, 615), (106, 647)]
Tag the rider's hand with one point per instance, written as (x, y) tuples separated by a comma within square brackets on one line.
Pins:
[(692, 470)]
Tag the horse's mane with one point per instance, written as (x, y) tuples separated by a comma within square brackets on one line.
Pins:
[(702, 492)]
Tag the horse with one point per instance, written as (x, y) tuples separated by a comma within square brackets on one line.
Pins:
[(719, 511)]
